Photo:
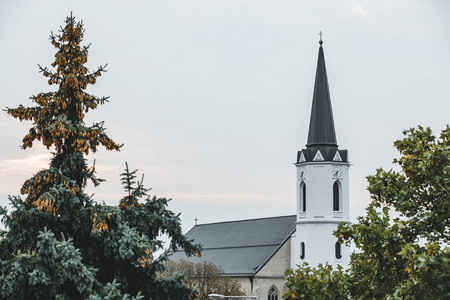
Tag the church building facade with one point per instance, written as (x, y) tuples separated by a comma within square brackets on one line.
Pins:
[(258, 251)]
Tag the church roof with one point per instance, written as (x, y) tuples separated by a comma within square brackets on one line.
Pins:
[(240, 248), (321, 126)]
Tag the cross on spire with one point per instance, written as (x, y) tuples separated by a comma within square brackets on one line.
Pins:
[(195, 220), (320, 41)]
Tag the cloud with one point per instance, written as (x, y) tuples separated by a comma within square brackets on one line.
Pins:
[(24, 166), (15, 171), (222, 198), (356, 8)]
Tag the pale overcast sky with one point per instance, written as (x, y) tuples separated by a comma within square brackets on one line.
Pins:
[(212, 97)]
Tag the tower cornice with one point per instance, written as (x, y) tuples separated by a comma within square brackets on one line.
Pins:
[(323, 221), (342, 163)]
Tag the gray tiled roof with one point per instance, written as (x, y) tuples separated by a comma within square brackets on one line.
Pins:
[(240, 248)]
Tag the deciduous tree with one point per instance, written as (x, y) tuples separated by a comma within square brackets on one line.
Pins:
[(321, 283), (406, 257), (205, 277)]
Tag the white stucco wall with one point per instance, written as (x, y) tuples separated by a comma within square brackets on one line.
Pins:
[(271, 274), (315, 227), (245, 285)]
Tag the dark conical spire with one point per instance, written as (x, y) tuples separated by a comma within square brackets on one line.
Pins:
[(321, 126)]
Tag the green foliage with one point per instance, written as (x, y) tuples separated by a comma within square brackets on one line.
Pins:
[(205, 277), (404, 257), (109, 250), (421, 192), (321, 283), (376, 269), (54, 269), (429, 273)]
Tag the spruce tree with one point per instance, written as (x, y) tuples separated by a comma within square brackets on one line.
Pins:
[(59, 242)]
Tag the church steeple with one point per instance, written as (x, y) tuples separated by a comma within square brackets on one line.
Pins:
[(321, 126), (322, 185)]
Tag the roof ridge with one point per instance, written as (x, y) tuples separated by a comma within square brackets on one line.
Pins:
[(245, 220), (238, 247)]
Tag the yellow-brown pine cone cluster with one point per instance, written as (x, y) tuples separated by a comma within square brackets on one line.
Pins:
[(198, 254), (34, 186), (134, 203), (43, 99), (22, 113), (109, 144), (46, 203), (146, 260), (99, 223)]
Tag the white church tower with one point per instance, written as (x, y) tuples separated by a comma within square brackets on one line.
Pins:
[(322, 185)]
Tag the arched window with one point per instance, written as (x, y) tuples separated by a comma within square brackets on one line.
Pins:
[(273, 293), (337, 250), (302, 250), (336, 196), (303, 196)]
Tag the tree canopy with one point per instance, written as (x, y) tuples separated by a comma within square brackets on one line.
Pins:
[(402, 257), (205, 277), (60, 243)]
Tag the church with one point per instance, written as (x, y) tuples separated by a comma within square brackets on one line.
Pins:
[(258, 251)]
